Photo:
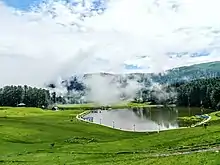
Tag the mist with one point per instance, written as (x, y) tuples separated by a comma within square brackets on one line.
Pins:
[(55, 40)]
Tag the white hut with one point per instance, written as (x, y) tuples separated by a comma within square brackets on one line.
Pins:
[(21, 105)]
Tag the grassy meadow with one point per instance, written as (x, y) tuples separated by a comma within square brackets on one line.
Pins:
[(36, 136)]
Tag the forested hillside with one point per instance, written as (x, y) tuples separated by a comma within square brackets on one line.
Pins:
[(187, 73), (196, 93), (182, 74), (204, 92)]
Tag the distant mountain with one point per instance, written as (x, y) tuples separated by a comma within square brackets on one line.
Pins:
[(181, 74), (187, 73)]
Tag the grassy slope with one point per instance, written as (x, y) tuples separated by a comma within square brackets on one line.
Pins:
[(26, 135)]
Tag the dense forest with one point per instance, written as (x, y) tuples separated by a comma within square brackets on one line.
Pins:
[(202, 92), (31, 97), (196, 93)]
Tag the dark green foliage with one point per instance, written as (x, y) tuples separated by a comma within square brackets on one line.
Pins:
[(188, 121), (31, 97), (202, 92), (54, 97), (80, 140)]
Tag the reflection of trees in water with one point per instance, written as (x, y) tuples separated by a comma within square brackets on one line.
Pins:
[(162, 116), (191, 111)]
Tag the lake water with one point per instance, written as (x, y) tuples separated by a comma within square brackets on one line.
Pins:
[(142, 119)]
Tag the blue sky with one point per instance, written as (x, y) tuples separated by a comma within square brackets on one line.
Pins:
[(21, 4), (25, 4), (131, 67)]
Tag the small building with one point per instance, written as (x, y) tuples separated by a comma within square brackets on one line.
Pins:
[(21, 105)]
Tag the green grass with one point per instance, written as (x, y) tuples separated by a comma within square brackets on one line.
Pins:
[(122, 105), (26, 135), (188, 121), (215, 118), (215, 115)]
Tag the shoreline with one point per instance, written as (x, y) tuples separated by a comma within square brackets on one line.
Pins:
[(109, 107), (79, 117)]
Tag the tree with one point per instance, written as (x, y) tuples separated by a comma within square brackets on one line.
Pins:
[(32, 97)]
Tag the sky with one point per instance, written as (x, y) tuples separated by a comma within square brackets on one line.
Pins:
[(21, 4), (26, 4), (57, 39)]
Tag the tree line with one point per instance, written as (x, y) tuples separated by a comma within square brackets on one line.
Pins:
[(195, 93), (30, 96), (201, 92)]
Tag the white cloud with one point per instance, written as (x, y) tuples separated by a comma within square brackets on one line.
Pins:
[(35, 48)]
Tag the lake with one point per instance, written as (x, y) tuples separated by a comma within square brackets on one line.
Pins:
[(142, 119)]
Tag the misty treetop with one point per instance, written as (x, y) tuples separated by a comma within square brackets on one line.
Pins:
[(180, 75), (195, 93), (31, 97)]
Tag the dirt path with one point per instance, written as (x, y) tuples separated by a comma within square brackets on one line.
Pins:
[(214, 149), (154, 155)]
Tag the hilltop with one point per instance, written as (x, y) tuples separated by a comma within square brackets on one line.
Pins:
[(187, 73), (181, 74)]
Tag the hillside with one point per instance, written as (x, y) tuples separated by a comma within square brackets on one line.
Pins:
[(186, 73), (197, 71)]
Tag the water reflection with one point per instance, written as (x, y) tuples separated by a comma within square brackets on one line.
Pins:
[(158, 115), (137, 119)]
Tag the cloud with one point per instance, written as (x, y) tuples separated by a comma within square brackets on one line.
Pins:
[(58, 39)]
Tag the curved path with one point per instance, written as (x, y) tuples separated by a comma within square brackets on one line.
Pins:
[(214, 149)]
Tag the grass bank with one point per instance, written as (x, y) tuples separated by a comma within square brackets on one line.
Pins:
[(215, 118), (188, 121), (35, 136), (92, 106)]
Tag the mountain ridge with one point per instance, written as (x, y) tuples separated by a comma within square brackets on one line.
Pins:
[(180, 74)]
